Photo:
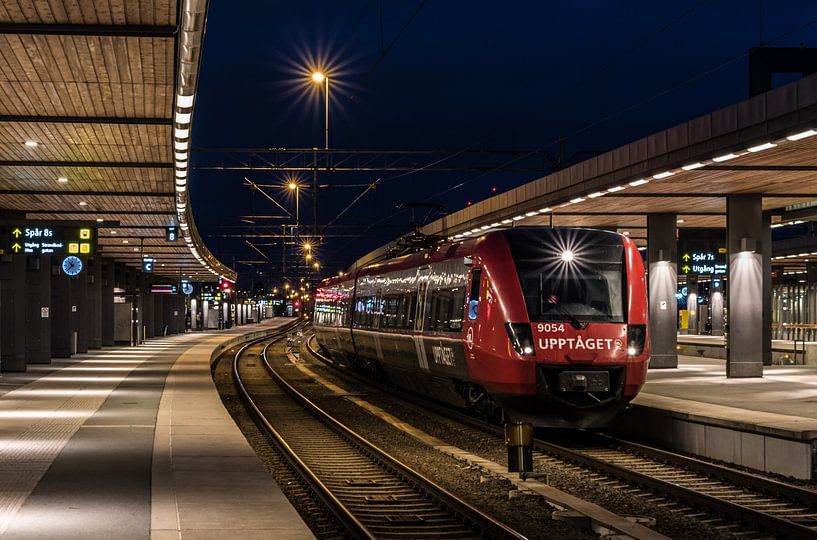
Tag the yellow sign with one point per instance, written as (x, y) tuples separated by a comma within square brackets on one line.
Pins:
[(85, 247), (73, 247), (16, 247), (85, 234)]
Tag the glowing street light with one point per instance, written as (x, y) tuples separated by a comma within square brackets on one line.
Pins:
[(293, 186), (321, 78)]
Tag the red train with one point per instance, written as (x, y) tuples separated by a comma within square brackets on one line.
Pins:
[(548, 325)]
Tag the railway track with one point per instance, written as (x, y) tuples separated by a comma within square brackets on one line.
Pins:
[(745, 499), (369, 493)]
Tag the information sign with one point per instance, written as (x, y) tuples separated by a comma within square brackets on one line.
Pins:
[(147, 264), (163, 289), (702, 251), (39, 239), (171, 234)]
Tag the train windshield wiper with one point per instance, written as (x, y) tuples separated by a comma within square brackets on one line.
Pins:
[(574, 321)]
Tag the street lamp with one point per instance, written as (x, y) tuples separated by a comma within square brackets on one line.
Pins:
[(321, 78), (293, 186)]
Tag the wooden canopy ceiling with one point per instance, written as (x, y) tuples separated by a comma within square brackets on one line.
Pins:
[(764, 145), (92, 82)]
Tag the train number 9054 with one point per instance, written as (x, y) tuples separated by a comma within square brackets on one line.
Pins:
[(550, 327)]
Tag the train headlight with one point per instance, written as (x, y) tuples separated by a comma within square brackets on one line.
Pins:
[(521, 338), (568, 256), (636, 339)]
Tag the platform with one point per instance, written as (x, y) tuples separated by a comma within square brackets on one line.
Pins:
[(133, 442), (768, 424)]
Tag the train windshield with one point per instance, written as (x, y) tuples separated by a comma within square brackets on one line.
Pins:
[(570, 275)]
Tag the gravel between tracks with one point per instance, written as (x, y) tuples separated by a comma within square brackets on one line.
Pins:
[(671, 523), (528, 515), (310, 512)]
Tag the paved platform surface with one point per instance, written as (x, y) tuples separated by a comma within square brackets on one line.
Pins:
[(783, 390), (133, 442), (768, 423)]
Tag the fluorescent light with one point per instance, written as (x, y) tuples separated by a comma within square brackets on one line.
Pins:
[(182, 133), (484, 227), (83, 203), (614, 189), (181, 156), (531, 214), (764, 146), (124, 241), (639, 182), (577, 200), (185, 102), (680, 221), (507, 221), (517, 218), (696, 165), (181, 174), (475, 231), (597, 194), (181, 164), (183, 118), (62, 179), (662, 175), (99, 220), (626, 233), (801, 135), (32, 144), (545, 210), (725, 157), (495, 224), (181, 145), (181, 189)]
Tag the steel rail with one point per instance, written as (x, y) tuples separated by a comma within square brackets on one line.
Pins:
[(342, 514), (755, 518), (470, 514)]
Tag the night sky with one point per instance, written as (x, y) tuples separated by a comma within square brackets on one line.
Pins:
[(453, 75)]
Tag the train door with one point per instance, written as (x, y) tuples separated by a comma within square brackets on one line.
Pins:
[(378, 318), (423, 274), (472, 309)]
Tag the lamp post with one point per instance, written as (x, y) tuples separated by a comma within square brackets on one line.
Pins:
[(322, 78), (293, 186)]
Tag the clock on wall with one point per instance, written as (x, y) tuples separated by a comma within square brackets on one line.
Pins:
[(187, 288), (72, 265)]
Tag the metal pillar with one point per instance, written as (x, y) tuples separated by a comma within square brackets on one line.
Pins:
[(662, 256), (745, 336)]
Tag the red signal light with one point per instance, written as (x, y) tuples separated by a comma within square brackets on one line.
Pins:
[(468, 203), (493, 189)]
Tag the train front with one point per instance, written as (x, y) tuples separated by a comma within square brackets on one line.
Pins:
[(568, 314)]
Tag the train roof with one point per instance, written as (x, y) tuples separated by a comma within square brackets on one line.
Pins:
[(443, 251)]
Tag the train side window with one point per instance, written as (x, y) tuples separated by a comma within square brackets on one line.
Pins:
[(473, 298)]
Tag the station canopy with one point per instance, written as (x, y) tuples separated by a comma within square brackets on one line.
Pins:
[(764, 145), (89, 105)]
